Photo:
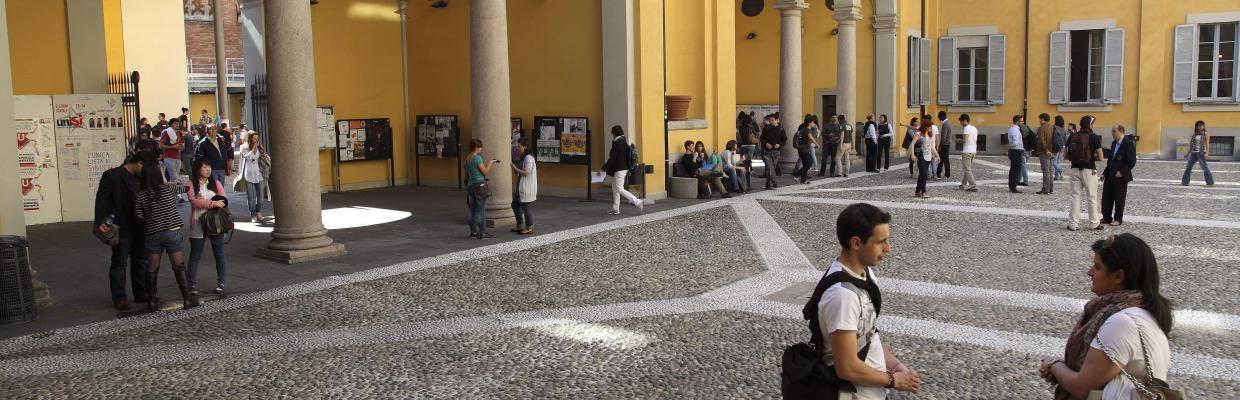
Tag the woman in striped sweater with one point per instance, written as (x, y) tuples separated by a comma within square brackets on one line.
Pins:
[(155, 207)]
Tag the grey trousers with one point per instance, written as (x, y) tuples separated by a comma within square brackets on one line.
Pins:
[(1047, 161), (771, 159)]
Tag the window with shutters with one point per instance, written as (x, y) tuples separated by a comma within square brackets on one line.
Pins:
[(1216, 61), (1085, 66), (971, 75)]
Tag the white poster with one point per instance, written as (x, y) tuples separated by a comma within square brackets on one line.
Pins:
[(326, 121), (89, 141), (36, 159)]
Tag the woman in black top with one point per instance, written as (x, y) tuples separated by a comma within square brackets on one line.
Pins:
[(155, 207)]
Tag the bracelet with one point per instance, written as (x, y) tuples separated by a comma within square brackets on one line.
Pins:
[(891, 380)]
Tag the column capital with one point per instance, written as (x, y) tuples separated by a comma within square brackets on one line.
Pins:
[(886, 23), (847, 13), (787, 6)]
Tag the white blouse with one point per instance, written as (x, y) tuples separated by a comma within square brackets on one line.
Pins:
[(249, 167)]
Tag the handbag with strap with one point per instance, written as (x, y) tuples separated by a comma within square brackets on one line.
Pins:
[(1150, 388), (480, 190)]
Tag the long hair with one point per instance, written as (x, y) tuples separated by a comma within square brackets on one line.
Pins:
[(195, 169), (731, 146), (925, 130), (1127, 252)]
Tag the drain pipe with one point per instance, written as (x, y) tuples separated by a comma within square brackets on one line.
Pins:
[(667, 167), (923, 36), (1024, 111), (402, 8)]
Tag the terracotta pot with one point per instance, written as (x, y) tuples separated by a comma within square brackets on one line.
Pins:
[(678, 107)]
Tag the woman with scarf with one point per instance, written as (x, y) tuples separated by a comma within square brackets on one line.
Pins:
[(1126, 324)]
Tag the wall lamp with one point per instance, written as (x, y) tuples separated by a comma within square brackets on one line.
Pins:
[(750, 36)]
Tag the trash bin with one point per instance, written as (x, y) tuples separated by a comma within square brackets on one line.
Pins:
[(17, 303)]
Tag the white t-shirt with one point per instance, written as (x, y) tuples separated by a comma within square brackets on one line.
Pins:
[(1119, 333), (171, 134), (841, 309), (970, 140)]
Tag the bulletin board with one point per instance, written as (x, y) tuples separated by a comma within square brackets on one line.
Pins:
[(90, 139), (365, 139), (438, 136), (36, 159), (563, 140)]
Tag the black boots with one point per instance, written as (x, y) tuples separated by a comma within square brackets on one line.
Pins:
[(191, 300), (152, 286)]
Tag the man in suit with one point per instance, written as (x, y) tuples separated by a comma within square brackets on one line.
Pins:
[(1117, 175)]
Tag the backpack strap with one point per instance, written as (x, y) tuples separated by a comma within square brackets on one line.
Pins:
[(810, 311)]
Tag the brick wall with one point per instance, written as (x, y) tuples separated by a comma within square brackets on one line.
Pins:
[(200, 35)]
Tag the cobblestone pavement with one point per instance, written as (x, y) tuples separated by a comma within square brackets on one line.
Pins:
[(693, 302)]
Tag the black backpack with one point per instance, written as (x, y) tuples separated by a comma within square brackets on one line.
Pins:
[(798, 139), (1030, 138), (804, 375), (632, 157)]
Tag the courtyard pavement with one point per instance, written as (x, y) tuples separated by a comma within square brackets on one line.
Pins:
[(689, 300)]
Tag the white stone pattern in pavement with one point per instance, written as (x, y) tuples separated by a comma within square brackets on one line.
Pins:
[(786, 265)]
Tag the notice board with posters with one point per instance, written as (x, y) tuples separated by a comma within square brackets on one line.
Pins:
[(325, 121), (90, 139), (36, 159), (438, 135), (563, 140), (363, 139)]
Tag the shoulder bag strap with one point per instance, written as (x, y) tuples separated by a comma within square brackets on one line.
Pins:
[(1149, 371)]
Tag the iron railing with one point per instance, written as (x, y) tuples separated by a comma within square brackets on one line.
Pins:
[(126, 85), (258, 107)]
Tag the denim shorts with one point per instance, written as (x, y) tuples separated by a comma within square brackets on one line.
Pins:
[(169, 241)]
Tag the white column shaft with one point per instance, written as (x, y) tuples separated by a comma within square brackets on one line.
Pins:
[(221, 63), (790, 86)]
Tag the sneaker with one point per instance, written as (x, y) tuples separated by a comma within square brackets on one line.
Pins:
[(972, 189), (1099, 227), (1116, 223), (641, 207), (219, 290), (473, 236), (925, 195), (484, 236), (526, 231), (1074, 228), (613, 212), (726, 195), (193, 292)]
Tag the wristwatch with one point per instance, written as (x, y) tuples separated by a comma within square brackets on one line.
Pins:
[(891, 380)]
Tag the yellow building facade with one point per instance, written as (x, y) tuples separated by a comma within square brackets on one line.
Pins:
[(1140, 63)]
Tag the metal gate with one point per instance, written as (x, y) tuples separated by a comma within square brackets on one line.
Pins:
[(258, 104), (126, 85)]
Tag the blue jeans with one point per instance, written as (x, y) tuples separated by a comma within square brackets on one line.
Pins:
[(477, 214), (172, 167), (733, 179), (254, 197), (195, 255), (1058, 168), (1024, 167), (525, 217), (219, 176), (1194, 158)]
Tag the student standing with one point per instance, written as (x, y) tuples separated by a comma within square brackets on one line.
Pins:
[(1116, 176), (1198, 146), (476, 193), (909, 132), (967, 153), (871, 144), (1057, 143), (945, 139), (847, 304), (170, 143), (804, 140), (251, 175), (156, 208), (204, 194), (114, 202), (831, 139), (1046, 157), (527, 188), (885, 133), (1016, 152), (1084, 150), (923, 153), (843, 156)]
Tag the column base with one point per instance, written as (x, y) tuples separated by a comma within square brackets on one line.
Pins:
[(501, 222), (42, 297), (300, 256)]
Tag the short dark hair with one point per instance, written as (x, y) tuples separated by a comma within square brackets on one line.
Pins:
[(942, 115), (859, 220), (1059, 121), (617, 130), (474, 144), (1044, 117), (964, 117), (1016, 118), (688, 143)]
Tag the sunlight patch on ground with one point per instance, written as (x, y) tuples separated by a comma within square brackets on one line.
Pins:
[(601, 335), (338, 218)]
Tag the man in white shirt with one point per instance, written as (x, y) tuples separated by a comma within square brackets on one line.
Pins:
[(871, 144), (848, 314), (1016, 152), (967, 153)]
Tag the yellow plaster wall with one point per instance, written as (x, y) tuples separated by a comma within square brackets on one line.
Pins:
[(648, 61), (357, 68), (114, 36), (686, 45), (206, 101), (154, 45), (39, 47)]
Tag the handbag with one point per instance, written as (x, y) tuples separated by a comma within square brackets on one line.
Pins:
[(239, 185), (1151, 388), (480, 190), (112, 237), (217, 221)]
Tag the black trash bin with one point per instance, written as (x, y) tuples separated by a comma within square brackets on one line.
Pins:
[(17, 303)]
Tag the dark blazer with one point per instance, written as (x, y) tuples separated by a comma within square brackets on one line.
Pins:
[(1122, 160), (115, 195), (618, 159), (217, 157)]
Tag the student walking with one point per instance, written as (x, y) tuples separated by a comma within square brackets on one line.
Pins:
[(252, 176), (968, 151), (1016, 152), (1084, 150), (205, 193), (924, 152), (170, 144), (155, 207), (1046, 157), (843, 313), (804, 140), (1121, 339), (945, 140), (831, 139), (1198, 149), (773, 139), (909, 132), (617, 166), (885, 134), (527, 187), (216, 152), (477, 190), (1116, 176), (114, 209)]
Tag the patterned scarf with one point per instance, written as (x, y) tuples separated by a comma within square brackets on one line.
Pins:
[(1096, 312)]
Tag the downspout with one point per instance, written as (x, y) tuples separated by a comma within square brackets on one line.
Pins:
[(667, 167), (402, 8), (1024, 111), (923, 36)]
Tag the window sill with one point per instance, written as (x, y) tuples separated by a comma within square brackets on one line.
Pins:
[(1210, 106), (974, 108), (687, 125), (1084, 107)]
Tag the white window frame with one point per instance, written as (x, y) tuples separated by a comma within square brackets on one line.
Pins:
[(974, 71), (918, 74), (1060, 82), (1214, 79), (948, 68)]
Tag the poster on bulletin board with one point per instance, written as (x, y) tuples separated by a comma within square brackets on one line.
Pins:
[(438, 135), (90, 139), (36, 159), (564, 140), (325, 120), (363, 139)]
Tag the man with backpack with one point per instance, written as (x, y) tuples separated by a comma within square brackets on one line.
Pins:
[(830, 146), (1016, 153), (845, 354), (1030, 141), (773, 139), (1084, 149), (1058, 141), (946, 139), (1046, 153), (619, 162)]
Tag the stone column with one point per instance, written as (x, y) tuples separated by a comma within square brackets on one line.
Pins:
[(221, 65), (847, 13), (886, 47), (299, 234), (790, 88), (489, 100), (88, 57)]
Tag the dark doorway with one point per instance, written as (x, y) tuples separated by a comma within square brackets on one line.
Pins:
[(828, 107)]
